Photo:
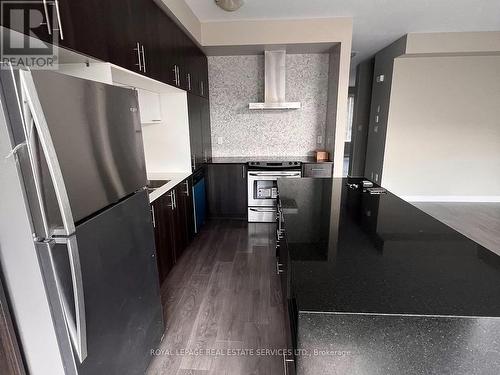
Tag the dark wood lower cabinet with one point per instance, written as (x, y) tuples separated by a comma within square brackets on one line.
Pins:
[(185, 210), (227, 191), (173, 220), (162, 222), (10, 356)]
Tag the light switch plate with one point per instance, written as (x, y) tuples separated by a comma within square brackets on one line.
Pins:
[(220, 140), (320, 139)]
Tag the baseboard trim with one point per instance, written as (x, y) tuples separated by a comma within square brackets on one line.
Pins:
[(452, 198)]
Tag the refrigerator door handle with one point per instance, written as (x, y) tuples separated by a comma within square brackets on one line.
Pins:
[(77, 326), (75, 322), (35, 111)]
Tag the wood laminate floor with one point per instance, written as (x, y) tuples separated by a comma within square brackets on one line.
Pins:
[(222, 301), (478, 221)]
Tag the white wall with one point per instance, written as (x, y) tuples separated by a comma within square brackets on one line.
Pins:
[(443, 132), (454, 42), (280, 31), (166, 144)]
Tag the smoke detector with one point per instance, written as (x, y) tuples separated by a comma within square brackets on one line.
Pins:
[(230, 5)]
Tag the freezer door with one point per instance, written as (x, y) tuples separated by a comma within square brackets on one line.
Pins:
[(96, 133), (123, 313)]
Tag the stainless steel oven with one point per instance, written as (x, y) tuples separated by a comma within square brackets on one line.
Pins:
[(263, 188)]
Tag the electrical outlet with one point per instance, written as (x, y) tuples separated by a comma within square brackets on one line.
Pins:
[(320, 139), (220, 140)]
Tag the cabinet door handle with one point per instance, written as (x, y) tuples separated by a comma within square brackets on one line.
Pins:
[(175, 74), (279, 271), (171, 205), (60, 28), (153, 216), (317, 169), (46, 11), (143, 58), (243, 174), (189, 81), (187, 188), (138, 49), (175, 201), (178, 78)]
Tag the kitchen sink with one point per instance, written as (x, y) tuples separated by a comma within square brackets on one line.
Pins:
[(155, 184)]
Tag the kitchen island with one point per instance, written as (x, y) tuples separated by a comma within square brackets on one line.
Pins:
[(375, 286)]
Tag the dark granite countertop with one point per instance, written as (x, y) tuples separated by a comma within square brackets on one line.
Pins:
[(353, 252), (358, 344), (247, 159)]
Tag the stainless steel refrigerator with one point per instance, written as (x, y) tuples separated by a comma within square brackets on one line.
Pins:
[(80, 158)]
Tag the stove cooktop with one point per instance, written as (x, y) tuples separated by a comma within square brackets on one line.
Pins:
[(274, 164)]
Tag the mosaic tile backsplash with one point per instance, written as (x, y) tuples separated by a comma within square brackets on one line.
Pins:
[(236, 81)]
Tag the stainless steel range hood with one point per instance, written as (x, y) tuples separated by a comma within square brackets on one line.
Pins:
[(274, 84)]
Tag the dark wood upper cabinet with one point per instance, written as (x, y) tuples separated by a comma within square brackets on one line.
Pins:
[(199, 130), (206, 130), (204, 91), (195, 130), (123, 45), (168, 49), (134, 34), (76, 32)]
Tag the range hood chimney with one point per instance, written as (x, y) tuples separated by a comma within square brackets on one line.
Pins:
[(274, 84)]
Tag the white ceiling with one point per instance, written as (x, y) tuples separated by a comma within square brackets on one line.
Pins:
[(376, 22)]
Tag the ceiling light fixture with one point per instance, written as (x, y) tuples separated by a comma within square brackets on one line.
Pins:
[(230, 5)]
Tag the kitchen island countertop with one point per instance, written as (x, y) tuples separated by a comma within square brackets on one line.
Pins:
[(380, 287)]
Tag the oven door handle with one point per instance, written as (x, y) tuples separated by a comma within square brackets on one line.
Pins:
[(270, 209), (284, 175)]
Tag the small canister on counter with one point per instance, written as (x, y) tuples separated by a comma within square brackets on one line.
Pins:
[(322, 155)]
